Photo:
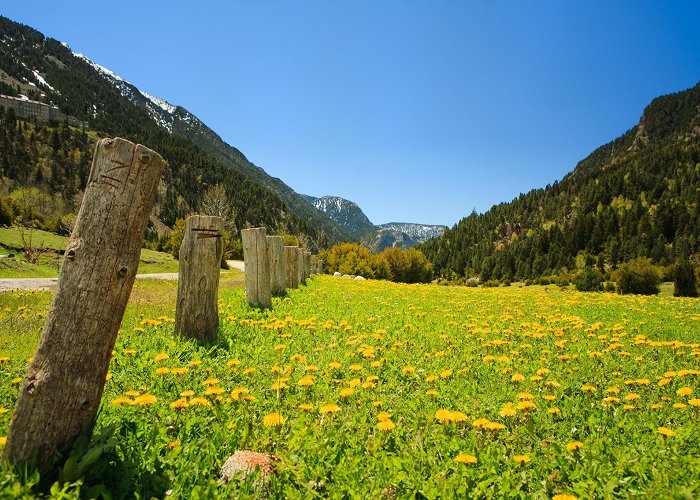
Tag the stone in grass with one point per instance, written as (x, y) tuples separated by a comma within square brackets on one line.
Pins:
[(336, 274), (248, 462), (359, 278)]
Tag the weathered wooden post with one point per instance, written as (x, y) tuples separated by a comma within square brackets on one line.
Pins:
[(196, 314), (257, 269), (290, 254), (63, 387), (320, 266), (300, 267), (307, 265), (314, 264), (277, 264)]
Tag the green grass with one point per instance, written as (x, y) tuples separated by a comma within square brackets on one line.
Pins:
[(47, 265), (428, 356)]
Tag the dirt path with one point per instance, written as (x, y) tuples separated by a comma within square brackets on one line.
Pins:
[(7, 284)]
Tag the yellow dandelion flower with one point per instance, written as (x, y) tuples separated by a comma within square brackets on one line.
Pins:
[(525, 395), (517, 377), (306, 381), (132, 394), (162, 370), (612, 390), (129, 351), (211, 381), (694, 402), (628, 407), (346, 392), (386, 425), (273, 420), (329, 408), (445, 373), (665, 431), (161, 357), (377, 404), (521, 459), (550, 397), (179, 404), (199, 402), (458, 416), (564, 496), (195, 362), (408, 369), (355, 367), (508, 411), (249, 371), (588, 388), (479, 423), (684, 391), (3, 410), (334, 365), (632, 396), (121, 401), (187, 394), (525, 406), (574, 445), (279, 385), (464, 458), (280, 347), (385, 415), (354, 383), (656, 406), (213, 391), (233, 362), (305, 407), (553, 411), (443, 415), (145, 399), (16, 380), (174, 444), (679, 406), (494, 426), (431, 392)]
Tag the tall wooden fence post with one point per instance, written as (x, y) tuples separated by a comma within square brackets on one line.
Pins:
[(301, 277), (290, 254), (277, 263), (257, 269), (63, 387), (314, 264), (197, 315), (307, 265)]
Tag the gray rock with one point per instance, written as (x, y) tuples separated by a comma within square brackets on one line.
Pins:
[(336, 274), (359, 278)]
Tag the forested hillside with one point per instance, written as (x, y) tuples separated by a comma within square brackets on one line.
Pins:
[(636, 196), (80, 91)]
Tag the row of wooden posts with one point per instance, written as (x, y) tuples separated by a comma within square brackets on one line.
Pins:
[(272, 268), (63, 388)]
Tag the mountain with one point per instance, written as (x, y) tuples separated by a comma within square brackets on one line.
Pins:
[(46, 70), (351, 218), (638, 195), (344, 212)]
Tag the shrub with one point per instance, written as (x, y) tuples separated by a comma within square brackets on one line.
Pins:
[(589, 280), (684, 280), (639, 276), (408, 266), (353, 258)]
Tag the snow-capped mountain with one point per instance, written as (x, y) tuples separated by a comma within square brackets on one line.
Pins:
[(351, 217)]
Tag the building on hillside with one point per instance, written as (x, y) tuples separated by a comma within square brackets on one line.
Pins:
[(26, 108)]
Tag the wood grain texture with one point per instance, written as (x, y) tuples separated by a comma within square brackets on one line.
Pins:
[(292, 259), (300, 267), (257, 269), (277, 263), (202, 247), (63, 387)]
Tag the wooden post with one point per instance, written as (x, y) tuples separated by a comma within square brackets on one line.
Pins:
[(61, 393), (197, 315), (290, 254), (277, 264), (257, 269), (307, 265), (320, 266), (314, 264), (300, 267)]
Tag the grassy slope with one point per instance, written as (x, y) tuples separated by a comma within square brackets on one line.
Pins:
[(472, 341), (49, 261)]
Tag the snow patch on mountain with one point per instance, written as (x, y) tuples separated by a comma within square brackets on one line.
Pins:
[(161, 103)]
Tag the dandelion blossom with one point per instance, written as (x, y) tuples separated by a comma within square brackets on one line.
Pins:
[(684, 391), (521, 459), (574, 445), (161, 357), (665, 431), (464, 458), (386, 425), (329, 408), (145, 399), (273, 420)]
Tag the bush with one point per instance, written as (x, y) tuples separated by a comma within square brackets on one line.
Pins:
[(639, 276), (408, 266), (589, 280), (684, 283), (355, 259)]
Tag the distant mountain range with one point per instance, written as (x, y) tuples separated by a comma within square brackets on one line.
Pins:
[(353, 220)]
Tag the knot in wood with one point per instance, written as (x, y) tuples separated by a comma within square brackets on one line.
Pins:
[(122, 272), (71, 254), (108, 143), (145, 158)]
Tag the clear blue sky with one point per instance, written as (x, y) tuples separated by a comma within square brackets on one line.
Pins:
[(419, 111)]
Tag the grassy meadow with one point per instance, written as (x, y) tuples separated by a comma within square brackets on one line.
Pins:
[(379, 390)]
